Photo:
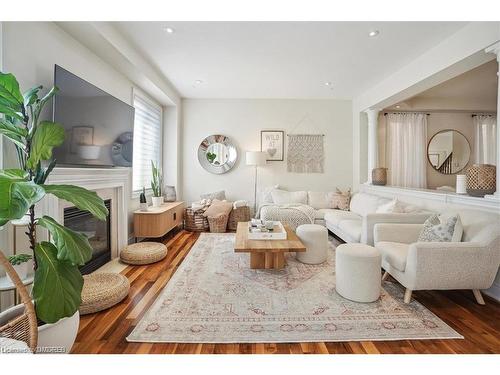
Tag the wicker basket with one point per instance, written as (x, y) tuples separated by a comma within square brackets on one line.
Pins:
[(194, 221), (237, 215), (481, 179), (218, 224), (379, 176)]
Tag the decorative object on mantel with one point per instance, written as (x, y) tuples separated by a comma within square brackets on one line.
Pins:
[(461, 187), (272, 142), (379, 176), (142, 200), (305, 153), (156, 182), (170, 193), (256, 159), (217, 154), (481, 180)]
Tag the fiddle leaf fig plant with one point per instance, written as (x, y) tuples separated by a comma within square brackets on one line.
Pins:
[(58, 283)]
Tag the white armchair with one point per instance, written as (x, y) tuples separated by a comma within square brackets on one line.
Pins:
[(438, 265)]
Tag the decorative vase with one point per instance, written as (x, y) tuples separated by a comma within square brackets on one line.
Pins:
[(157, 201), (379, 176), (170, 194), (481, 179), (461, 184), (144, 207)]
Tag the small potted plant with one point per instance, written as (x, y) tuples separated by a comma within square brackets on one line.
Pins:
[(156, 182), (21, 264), (142, 200)]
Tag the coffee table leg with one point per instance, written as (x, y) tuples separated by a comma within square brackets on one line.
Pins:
[(279, 260), (257, 260), (267, 260)]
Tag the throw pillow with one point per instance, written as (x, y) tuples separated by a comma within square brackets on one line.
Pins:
[(393, 206), (439, 229), (266, 196), (341, 200), (286, 197), (218, 207), (220, 195)]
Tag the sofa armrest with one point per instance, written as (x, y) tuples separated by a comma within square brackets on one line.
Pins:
[(452, 265), (370, 220)]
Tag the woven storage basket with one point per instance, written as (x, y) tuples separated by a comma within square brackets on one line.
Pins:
[(237, 215), (194, 221), (379, 176), (218, 224), (481, 179)]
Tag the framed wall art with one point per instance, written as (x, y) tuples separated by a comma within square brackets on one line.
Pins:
[(272, 142)]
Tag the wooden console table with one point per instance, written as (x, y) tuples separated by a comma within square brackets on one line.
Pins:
[(158, 221)]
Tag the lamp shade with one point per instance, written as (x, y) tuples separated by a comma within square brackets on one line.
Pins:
[(256, 158)]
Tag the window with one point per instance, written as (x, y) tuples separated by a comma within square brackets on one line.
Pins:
[(147, 141)]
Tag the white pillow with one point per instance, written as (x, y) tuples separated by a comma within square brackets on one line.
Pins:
[(285, 197), (319, 199), (393, 206), (458, 230), (265, 195)]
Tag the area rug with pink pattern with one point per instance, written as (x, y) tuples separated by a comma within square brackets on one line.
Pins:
[(214, 297)]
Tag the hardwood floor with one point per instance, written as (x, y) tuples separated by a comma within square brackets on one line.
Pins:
[(105, 332)]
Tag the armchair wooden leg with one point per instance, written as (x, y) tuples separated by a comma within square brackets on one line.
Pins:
[(407, 298), (479, 297), (385, 276)]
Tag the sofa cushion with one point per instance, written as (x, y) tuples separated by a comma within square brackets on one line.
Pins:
[(334, 217), (285, 197), (341, 199), (364, 204), (220, 195), (394, 253), (265, 194), (319, 199), (352, 228), (441, 229), (218, 207), (393, 206)]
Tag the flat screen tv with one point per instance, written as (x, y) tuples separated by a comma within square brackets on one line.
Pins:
[(99, 127)]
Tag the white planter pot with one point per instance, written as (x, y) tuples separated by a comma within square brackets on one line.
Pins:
[(53, 338), (59, 336), (157, 201), (22, 270)]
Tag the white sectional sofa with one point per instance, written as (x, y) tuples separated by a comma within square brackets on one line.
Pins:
[(355, 225)]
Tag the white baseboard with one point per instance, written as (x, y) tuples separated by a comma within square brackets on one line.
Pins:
[(494, 291)]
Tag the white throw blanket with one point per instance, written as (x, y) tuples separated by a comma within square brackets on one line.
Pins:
[(292, 214)]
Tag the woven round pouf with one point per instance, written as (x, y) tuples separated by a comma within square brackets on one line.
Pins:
[(102, 291), (143, 253)]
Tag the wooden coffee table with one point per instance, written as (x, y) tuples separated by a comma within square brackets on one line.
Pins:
[(266, 254)]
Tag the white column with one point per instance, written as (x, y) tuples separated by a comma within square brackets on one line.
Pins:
[(495, 48), (372, 141)]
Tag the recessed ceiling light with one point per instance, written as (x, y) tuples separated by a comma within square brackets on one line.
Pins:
[(169, 30), (398, 106), (373, 33), (328, 83), (198, 81)]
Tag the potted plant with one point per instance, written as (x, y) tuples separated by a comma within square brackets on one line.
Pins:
[(21, 264), (156, 182), (142, 200), (57, 282)]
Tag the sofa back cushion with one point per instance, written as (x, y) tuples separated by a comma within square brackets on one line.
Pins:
[(285, 197), (320, 199), (364, 204)]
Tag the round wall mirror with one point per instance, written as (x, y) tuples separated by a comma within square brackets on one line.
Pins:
[(217, 154), (448, 151)]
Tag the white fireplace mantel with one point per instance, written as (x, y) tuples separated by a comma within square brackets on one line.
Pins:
[(95, 179)]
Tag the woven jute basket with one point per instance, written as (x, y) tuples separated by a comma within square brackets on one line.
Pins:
[(481, 179), (379, 176), (237, 215), (22, 327), (218, 223), (194, 221)]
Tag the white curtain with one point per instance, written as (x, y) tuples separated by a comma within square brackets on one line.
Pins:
[(485, 139), (406, 149)]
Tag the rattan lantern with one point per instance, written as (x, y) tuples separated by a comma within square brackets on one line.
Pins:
[(481, 180), (379, 176)]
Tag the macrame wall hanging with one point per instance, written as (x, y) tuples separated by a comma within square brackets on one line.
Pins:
[(305, 153)]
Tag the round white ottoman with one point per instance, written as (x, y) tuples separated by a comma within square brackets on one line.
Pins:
[(357, 272), (315, 238)]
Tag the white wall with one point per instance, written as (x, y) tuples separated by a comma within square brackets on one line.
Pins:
[(242, 120)]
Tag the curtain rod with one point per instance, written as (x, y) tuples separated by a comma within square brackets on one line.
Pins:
[(483, 114), (400, 113), (288, 135)]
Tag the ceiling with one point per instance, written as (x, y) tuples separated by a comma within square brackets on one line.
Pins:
[(281, 59)]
